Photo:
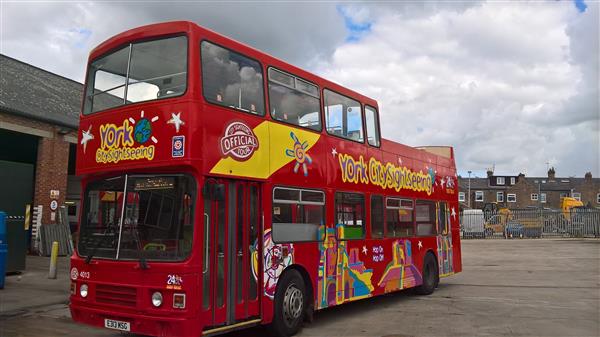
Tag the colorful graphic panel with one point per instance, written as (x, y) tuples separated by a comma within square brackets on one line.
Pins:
[(444, 247), (342, 275), (276, 258), (400, 273)]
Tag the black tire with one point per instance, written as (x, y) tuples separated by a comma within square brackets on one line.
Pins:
[(431, 277), (289, 306)]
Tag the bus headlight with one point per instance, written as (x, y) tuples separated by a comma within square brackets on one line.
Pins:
[(157, 299), (83, 290)]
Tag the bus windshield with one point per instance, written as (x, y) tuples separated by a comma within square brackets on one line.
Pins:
[(138, 72), (138, 217)]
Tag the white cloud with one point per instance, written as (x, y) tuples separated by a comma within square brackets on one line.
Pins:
[(46, 34), (499, 81), (508, 83)]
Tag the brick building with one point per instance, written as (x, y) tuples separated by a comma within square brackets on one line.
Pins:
[(39, 116), (522, 192)]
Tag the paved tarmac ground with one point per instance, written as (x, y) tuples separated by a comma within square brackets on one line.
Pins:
[(508, 288)]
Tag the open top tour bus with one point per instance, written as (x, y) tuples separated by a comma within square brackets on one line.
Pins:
[(224, 188)]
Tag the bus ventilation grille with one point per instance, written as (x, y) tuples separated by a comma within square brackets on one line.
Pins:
[(117, 295)]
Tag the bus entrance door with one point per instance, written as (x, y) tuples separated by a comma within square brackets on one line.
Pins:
[(232, 215)]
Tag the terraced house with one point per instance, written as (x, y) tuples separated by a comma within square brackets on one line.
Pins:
[(519, 191)]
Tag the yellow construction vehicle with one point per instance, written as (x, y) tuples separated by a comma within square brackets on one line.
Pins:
[(512, 223), (567, 204), (496, 219)]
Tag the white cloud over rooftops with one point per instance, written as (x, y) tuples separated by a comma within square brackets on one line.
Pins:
[(504, 83), (510, 84)]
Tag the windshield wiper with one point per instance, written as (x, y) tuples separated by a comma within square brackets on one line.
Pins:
[(100, 241), (142, 258), (141, 255)]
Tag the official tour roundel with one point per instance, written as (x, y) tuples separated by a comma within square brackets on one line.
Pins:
[(238, 141)]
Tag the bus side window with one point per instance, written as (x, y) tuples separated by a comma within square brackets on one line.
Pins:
[(372, 123), (350, 215), (231, 79), (377, 217), (343, 116), (425, 217), (399, 217), (293, 100), (298, 215), (443, 223)]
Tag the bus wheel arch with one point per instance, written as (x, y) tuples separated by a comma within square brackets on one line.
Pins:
[(291, 300), (309, 289), (430, 274)]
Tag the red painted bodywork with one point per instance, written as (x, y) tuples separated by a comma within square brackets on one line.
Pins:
[(203, 128)]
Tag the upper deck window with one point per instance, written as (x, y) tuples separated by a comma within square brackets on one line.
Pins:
[(343, 116), (139, 72), (231, 79), (372, 126), (294, 100)]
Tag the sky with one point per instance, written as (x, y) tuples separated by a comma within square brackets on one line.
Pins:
[(510, 85)]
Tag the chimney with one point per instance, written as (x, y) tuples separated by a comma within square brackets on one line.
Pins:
[(490, 173), (588, 176), (551, 173)]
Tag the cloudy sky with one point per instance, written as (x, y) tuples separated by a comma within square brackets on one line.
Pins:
[(511, 85)]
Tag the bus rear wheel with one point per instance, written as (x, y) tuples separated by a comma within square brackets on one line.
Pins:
[(431, 277), (290, 305)]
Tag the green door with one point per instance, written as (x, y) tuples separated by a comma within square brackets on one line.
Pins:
[(16, 186)]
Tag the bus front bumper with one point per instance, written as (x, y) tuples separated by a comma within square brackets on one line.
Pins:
[(139, 324)]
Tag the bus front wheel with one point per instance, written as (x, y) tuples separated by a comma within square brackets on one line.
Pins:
[(430, 274), (290, 303)]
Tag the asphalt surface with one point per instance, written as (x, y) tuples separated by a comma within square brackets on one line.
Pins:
[(515, 287)]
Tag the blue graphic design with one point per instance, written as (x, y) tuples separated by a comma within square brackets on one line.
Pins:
[(299, 153), (143, 131)]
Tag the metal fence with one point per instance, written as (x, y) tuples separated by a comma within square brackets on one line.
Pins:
[(530, 223)]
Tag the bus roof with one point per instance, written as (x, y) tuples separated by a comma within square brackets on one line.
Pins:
[(441, 155), (174, 27)]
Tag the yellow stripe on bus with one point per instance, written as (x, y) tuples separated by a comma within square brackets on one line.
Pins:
[(274, 140)]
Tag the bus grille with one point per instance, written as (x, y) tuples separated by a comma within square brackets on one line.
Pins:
[(118, 295)]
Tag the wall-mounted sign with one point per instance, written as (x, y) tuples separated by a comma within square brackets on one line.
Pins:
[(53, 205), (54, 194)]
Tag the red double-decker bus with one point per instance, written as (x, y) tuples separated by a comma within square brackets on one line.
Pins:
[(224, 188)]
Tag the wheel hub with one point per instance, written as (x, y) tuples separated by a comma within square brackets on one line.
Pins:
[(292, 304)]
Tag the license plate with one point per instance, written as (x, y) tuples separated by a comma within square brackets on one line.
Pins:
[(117, 325)]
